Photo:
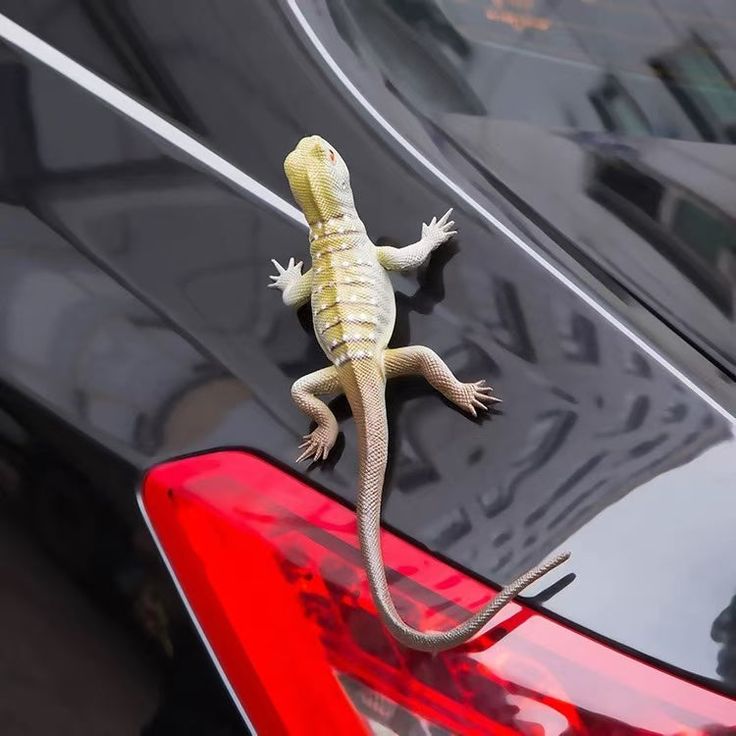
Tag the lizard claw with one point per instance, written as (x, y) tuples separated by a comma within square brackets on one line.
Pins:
[(444, 217), (317, 444), (474, 397)]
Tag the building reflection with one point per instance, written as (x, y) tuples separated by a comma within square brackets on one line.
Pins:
[(627, 84), (653, 68), (695, 234), (701, 83)]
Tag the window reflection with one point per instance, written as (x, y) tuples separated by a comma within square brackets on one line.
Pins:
[(562, 102), (695, 235), (644, 68)]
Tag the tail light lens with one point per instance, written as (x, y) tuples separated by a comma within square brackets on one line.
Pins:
[(271, 572)]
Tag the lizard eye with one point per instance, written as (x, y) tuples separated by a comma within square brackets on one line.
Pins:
[(332, 156)]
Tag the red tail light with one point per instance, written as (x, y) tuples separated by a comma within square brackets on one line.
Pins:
[(271, 571)]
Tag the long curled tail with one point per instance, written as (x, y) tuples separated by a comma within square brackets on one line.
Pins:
[(364, 386)]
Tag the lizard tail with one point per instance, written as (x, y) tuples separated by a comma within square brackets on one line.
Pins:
[(364, 385)]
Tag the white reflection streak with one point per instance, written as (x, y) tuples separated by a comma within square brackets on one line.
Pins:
[(33, 46), (458, 191)]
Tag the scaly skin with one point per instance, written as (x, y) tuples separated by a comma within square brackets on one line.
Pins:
[(353, 311)]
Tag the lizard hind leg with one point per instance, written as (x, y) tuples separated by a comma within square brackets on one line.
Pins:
[(318, 443), (418, 360)]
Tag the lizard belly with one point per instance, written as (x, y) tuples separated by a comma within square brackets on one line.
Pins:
[(353, 306)]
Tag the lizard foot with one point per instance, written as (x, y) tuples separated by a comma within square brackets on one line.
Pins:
[(317, 444), (438, 231), (285, 276), (472, 397)]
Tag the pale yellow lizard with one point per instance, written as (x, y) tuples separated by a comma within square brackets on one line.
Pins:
[(353, 311)]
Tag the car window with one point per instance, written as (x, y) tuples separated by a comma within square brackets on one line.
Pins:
[(613, 121)]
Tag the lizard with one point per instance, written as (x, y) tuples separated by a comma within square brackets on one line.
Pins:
[(353, 313)]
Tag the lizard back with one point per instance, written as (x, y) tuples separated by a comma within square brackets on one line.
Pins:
[(353, 305)]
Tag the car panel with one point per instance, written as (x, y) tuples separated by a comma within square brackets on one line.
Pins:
[(617, 142), (593, 437)]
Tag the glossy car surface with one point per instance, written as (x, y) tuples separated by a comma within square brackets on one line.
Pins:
[(135, 326)]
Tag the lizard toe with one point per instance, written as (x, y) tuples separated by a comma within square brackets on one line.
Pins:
[(472, 397), (317, 444)]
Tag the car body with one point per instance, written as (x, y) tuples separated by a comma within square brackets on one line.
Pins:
[(144, 197)]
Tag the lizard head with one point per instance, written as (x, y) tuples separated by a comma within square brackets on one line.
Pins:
[(319, 180)]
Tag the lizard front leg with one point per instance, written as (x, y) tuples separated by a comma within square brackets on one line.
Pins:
[(414, 255), (297, 287), (317, 444), (418, 360)]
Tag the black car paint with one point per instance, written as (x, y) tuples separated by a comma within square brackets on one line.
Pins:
[(645, 194), (137, 327)]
